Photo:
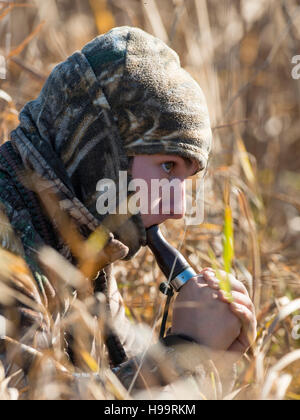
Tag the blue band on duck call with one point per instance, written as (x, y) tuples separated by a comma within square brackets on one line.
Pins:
[(183, 278)]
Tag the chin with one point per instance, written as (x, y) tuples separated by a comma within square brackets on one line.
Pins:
[(166, 217), (161, 218)]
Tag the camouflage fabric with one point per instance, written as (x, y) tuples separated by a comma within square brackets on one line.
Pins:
[(23, 228), (124, 94)]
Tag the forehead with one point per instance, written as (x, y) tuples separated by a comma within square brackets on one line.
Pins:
[(187, 160)]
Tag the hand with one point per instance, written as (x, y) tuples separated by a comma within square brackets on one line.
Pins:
[(242, 307), (200, 314)]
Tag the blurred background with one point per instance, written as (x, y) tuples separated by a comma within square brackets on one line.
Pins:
[(240, 52)]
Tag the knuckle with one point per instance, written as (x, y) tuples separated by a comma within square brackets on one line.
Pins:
[(196, 280), (243, 288), (252, 309), (248, 316), (240, 286), (232, 278), (243, 300), (199, 278)]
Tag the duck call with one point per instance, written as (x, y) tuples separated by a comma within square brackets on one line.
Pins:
[(171, 262)]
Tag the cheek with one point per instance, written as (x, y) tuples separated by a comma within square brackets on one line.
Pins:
[(146, 172), (142, 170), (178, 200)]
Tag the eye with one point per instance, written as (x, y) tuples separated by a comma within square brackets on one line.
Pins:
[(168, 166)]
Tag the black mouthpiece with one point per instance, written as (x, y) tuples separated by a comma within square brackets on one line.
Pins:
[(165, 254)]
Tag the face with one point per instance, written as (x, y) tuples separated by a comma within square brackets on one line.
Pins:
[(150, 167)]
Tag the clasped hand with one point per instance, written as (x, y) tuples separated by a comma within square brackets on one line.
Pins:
[(203, 312)]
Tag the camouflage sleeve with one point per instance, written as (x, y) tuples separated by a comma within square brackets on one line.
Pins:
[(22, 305), (24, 315), (171, 359), (176, 360), (127, 332)]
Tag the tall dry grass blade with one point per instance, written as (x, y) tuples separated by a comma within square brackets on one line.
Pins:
[(256, 260), (249, 172), (225, 285), (293, 396), (31, 351), (5, 96), (283, 313), (228, 242), (90, 361), (286, 199), (115, 387), (103, 17), (7, 393), (13, 6), (151, 12), (231, 124), (283, 383), (20, 48), (34, 73), (228, 48), (205, 51), (273, 374), (276, 46), (245, 162), (234, 394), (8, 238)]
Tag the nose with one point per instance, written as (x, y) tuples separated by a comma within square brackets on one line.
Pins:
[(177, 198)]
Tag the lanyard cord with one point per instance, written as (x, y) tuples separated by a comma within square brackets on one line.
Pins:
[(166, 290)]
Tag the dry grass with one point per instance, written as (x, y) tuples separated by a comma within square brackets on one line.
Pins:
[(240, 51)]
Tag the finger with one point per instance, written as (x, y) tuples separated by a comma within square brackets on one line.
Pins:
[(245, 315), (249, 324), (213, 281), (208, 269), (236, 285), (209, 277), (237, 297), (237, 349), (199, 279)]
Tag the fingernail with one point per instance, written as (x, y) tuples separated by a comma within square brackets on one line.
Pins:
[(212, 276), (210, 273)]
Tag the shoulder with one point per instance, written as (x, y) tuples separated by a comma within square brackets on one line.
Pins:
[(10, 196)]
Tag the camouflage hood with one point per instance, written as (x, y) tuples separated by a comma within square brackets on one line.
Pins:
[(123, 94)]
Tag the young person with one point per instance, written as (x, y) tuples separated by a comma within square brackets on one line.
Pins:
[(123, 103)]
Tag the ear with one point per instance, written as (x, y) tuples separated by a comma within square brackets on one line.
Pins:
[(130, 163)]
